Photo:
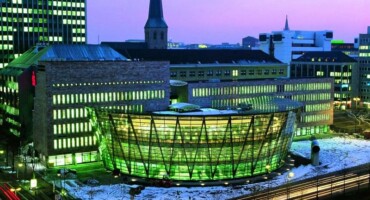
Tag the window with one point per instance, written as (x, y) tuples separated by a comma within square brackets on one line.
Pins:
[(227, 73), (281, 71), (274, 71), (210, 73), (155, 35), (243, 72), (266, 72), (200, 73), (173, 74), (192, 73), (251, 72), (218, 72), (259, 71), (183, 74)]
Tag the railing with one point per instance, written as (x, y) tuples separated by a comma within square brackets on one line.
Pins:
[(323, 186)]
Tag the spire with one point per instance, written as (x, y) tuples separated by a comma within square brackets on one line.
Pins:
[(155, 19), (286, 28)]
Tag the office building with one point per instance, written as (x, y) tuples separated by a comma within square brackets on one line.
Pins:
[(335, 64), (364, 62), (23, 24), (287, 45), (45, 91)]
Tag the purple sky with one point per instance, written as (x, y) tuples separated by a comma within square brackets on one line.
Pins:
[(217, 21)]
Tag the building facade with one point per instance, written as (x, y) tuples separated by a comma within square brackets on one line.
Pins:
[(23, 24), (364, 62), (316, 95), (45, 91), (337, 65)]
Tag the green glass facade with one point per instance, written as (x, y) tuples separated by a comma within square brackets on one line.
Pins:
[(193, 148), (23, 24)]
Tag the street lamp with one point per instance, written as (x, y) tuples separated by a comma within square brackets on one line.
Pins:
[(268, 167), (356, 99), (290, 176), (15, 190), (19, 166), (1, 155)]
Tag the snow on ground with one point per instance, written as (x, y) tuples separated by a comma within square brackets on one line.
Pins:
[(335, 154)]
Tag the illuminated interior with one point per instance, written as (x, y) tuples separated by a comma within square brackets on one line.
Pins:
[(193, 147)]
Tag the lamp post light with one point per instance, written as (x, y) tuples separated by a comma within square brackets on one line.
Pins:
[(268, 167), (15, 190), (2, 152), (289, 177), (356, 99), (18, 168)]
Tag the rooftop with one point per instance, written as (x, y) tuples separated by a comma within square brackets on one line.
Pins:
[(59, 52), (260, 105), (325, 56), (198, 56)]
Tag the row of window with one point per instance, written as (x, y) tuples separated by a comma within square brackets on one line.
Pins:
[(340, 74), (71, 113), (239, 90), (226, 72), (364, 54), (307, 87), (67, 159), (312, 97), (67, 143), (6, 47), (107, 83), (342, 95), (25, 19), (73, 22), (63, 129), (60, 99), (6, 37), (315, 118), (78, 39), (317, 107), (311, 130), (35, 29), (56, 3), (74, 113), (233, 103)]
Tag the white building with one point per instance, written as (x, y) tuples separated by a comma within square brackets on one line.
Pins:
[(287, 44)]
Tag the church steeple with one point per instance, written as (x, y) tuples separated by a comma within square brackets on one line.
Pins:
[(156, 29), (286, 28)]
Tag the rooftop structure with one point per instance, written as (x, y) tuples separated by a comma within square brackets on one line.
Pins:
[(287, 45)]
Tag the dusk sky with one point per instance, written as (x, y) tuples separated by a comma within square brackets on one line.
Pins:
[(217, 21)]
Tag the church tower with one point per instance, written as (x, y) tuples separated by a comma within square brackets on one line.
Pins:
[(156, 29)]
